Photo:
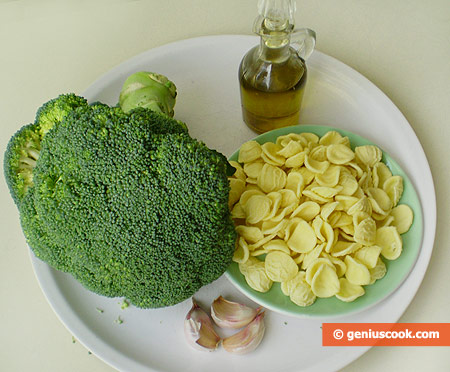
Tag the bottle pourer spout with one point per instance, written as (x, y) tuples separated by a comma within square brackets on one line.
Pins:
[(274, 15)]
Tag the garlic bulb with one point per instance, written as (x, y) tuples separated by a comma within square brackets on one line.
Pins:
[(227, 314), (199, 331), (248, 339)]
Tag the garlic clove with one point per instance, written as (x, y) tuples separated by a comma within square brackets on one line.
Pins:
[(227, 314), (199, 331), (248, 339)]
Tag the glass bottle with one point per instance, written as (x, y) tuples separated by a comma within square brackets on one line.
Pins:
[(272, 75)]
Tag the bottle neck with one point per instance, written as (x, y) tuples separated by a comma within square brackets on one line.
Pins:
[(275, 49)]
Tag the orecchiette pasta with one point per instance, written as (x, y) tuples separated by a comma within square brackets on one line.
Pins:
[(316, 216)]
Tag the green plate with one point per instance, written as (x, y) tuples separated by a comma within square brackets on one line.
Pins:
[(397, 270)]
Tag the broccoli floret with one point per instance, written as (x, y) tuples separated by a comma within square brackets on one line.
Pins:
[(130, 205), (20, 159), (24, 147), (55, 110)]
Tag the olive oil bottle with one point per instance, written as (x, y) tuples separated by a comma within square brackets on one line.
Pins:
[(272, 75)]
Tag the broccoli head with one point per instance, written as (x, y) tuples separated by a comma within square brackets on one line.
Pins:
[(129, 204)]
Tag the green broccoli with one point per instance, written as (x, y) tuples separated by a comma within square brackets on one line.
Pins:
[(24, 147), (128, 203)]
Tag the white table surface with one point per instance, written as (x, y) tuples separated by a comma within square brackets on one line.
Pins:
[(50, 47)]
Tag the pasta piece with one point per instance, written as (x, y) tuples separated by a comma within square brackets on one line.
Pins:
[(288, 197), (271, 178), (317, 224), (270, 154), (261, 242), (380, 173), (344, 220), (358, 217), (349, 292), (237, 212), (276, 200), (325, 282), (327, 210), (257, 208), (247, 194), (339, 265), (330, 178), (357, 273), (251, 234), (340, 154), (291, 225), (252, 261), (314, 266), (365, 181), (342, 248), (362, 205), (345, 202), (291, 149), (257, 252), (312, 256), (348, 183), (378, 272), (402, 218), (381, 203), (296, 160), (280, 267), (257, 278), (307, 175), (368, 155), (316, 166), (310, 137), (390, 242), (241, 254), (288, 285), (332, 137), (302, 294), (253, 169), (237, 187), (394, 188), (249, 151), (303, 238), (273, 227), (239, 173), (368, 255), (365, 232), (284, 212), (326, 192), (277, 245), (295, 183), (318, 153), (285, 139)]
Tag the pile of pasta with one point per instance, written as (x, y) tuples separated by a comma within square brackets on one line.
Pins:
[(315, 216)]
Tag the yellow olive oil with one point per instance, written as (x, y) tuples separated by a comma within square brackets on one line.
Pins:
[(266, 109)]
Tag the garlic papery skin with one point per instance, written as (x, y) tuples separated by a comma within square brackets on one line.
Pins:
[(199, 331), (227, 314), (248, 339)]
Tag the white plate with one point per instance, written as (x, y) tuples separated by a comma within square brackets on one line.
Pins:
[(205, 72)]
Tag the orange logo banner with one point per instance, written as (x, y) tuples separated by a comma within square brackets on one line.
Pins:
[(386, 334)]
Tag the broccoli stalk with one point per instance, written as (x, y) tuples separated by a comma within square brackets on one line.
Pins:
[(149, 90)]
